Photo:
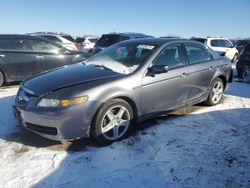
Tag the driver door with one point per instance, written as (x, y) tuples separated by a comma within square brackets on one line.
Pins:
[(168, 90)]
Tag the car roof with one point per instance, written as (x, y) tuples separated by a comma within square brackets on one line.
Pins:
[(17, 36), (127, 34), (158, 41)]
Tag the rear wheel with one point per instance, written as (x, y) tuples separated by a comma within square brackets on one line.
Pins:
[(216, 92), (1, 78), (112, 121)]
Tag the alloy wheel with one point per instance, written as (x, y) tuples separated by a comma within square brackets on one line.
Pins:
[(115, 122)]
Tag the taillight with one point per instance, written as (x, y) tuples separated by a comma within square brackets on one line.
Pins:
[(85, 43), (78, 45)]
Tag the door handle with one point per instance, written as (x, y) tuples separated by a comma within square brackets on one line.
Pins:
[(2, 55), (183, 75), (40, 57), (210, 68)]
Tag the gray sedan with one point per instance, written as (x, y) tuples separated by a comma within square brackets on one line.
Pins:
[(127, 83)]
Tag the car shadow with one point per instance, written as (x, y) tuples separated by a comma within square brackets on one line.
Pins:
[(71, 168)]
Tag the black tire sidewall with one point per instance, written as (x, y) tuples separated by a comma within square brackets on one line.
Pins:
[(1, 78), (209, 101), (97, 121)]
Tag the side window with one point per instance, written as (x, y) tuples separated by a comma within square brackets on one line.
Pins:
[(44, 46), (197, 54), (171, 56), (215, 43), (52, 38), (6, 44), (225, 44), (15, 44)]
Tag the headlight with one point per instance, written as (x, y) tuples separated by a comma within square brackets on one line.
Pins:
[(52, 103)]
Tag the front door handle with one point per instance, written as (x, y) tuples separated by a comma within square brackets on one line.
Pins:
[(2, 55), (210, 68), (183, 75)]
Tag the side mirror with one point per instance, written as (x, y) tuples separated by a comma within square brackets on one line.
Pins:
[(157, 69)]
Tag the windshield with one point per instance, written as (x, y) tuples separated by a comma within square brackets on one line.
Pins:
[(123, 58)]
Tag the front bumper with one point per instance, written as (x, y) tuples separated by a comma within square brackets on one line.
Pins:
[(61, 124)]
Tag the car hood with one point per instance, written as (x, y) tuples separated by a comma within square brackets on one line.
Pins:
[(65, 77)]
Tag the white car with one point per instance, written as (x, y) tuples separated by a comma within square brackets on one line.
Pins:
[(220, 45), (87, 43), (64, 40)]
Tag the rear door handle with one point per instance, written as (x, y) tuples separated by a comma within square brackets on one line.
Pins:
[(183, 75), (2, 55), (40, 57)]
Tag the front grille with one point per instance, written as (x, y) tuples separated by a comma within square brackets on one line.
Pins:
[(42, 129)]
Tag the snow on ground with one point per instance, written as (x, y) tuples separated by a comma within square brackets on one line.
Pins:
[(194, 147)]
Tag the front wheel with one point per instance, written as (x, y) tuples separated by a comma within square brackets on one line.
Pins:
[(216, 92), (112, 121)]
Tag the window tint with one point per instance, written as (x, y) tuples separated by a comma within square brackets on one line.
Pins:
[(108, 40), (52, 38), (171, 57), (215, 43), (93, 40), (225, 44), (122, 38), (44, 46), (15, 44), (68, 37), (197, 54), (80, 39)]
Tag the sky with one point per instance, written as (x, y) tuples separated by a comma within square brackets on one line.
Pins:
[(184, 18)]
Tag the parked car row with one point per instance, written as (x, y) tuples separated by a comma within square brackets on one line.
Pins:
[(23, 56)]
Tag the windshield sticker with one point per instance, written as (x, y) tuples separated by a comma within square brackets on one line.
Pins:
[(149, 47)]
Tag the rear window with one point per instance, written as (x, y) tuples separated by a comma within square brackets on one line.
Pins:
[(108, 40), (93, 40), (68, 37), (80, 39), (197, 54), (215, 43), (225, 44), (52, 38)]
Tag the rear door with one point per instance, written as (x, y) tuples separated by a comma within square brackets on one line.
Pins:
[(200, 71), (48, 55), (16, 59)]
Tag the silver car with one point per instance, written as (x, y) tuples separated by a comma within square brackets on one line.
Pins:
[(126, 83)]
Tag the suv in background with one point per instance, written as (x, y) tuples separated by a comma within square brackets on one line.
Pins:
[(220, 45), (241, 44), (23, 56), (107, 40), (64, 40), (87, 43), (244, 61)]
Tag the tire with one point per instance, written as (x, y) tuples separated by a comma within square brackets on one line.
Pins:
[(1, 78), (112, 121), (235, 58), (215, 93)]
